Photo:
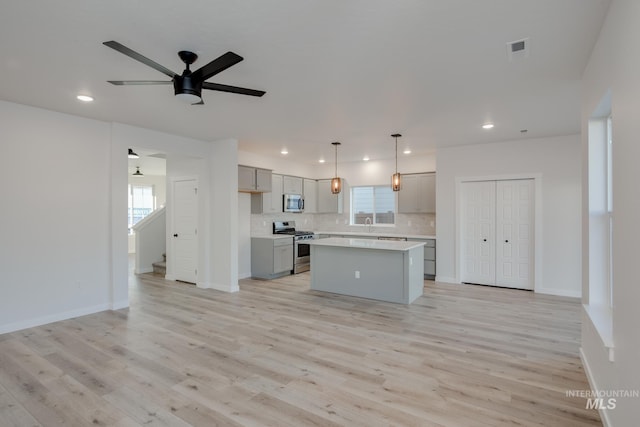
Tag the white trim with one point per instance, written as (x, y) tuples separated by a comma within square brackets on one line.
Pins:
[(604, 415), (538, 243), (144, 270), (445, 279), (217, 287), (244, 275), (120, 305), (601, 317), (169, 277), (39, 321), (559, 292)]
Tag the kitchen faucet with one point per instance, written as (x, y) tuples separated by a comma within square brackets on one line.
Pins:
[(367, 221)]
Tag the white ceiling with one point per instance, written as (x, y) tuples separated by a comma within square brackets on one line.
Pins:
[(349, 70)]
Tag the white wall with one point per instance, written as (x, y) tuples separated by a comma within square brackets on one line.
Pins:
[(150, 240), (557, 161), (615, 66), (62, 269)]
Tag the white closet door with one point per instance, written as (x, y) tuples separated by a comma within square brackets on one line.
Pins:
[(185, 222), (478, 232), (514, 233)]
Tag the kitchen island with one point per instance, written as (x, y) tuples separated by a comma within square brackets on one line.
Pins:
[(384, 270)]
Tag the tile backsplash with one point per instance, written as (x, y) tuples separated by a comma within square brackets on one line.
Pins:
[(418, 224)]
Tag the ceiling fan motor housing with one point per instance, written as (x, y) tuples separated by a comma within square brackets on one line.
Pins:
[(186, 84)]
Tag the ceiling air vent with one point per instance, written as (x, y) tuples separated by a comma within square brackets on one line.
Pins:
[(518, 49)]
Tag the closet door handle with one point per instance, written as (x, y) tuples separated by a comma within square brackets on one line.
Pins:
[(484, 240), (175, 235), (506, 241)]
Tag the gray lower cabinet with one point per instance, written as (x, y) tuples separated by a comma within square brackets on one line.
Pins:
[(271, 258), (429, 257)]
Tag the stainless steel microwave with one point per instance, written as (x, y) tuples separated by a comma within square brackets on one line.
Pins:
[(292, 203)]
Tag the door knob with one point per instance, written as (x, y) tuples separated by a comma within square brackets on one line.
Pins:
[(175, 235)]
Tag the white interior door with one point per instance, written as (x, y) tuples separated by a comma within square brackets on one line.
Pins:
[(514, 233), (478, 232), (185, 233), (497, 229)]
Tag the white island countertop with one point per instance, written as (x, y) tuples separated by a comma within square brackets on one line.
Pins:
[(376, 233), (386, 245)]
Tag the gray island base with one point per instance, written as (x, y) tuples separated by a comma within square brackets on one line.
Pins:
[(378, 269)]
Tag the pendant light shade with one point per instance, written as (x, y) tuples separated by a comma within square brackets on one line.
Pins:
[(336, 182), (137, 172), (132, 154), (396, 180)]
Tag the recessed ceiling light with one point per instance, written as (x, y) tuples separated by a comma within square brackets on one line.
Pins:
[(84, 98), (284, 151), (321, 161), (407, 151), (487, 126), (365, 159)]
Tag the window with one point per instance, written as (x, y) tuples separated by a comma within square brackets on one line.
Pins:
[(374, 202), (142, 201)]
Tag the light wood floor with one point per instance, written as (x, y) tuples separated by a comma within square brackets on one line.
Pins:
[(278, 354)]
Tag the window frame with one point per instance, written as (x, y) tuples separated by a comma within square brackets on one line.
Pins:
[(130, 193), (352, 212)]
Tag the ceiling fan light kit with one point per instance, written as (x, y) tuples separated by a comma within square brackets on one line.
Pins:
[(188, 86)]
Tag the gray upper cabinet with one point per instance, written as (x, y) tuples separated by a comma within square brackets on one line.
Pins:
[(253, 180), (418, 193), (268, 202), (292, 185), (328, 202), (310, 192)]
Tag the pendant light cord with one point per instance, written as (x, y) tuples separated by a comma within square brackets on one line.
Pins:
[(396, 154)]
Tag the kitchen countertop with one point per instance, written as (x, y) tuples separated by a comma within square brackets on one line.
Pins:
[(387, 245), (273, 236), (377, 234)]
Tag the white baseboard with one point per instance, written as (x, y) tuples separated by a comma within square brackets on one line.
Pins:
[(558, 292), (445, 279), (217, 287), (169, 277), (39, 321), (144, 270), (244, 275), (117, 305), (604, 416)]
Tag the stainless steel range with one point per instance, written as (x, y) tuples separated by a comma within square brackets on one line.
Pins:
[(301, 249)]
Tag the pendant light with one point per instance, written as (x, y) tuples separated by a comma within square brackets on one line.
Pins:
[(396, 181), (137, 172), (336, 182), (132, 154)]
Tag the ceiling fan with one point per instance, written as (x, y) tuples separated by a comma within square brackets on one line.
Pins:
[(187, 86)]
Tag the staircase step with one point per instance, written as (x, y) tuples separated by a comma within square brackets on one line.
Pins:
[(160, 268)]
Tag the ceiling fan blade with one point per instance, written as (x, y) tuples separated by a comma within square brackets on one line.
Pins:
[(135, 55), (219, 64), (232, 89), (138, 82), (199, 103)]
